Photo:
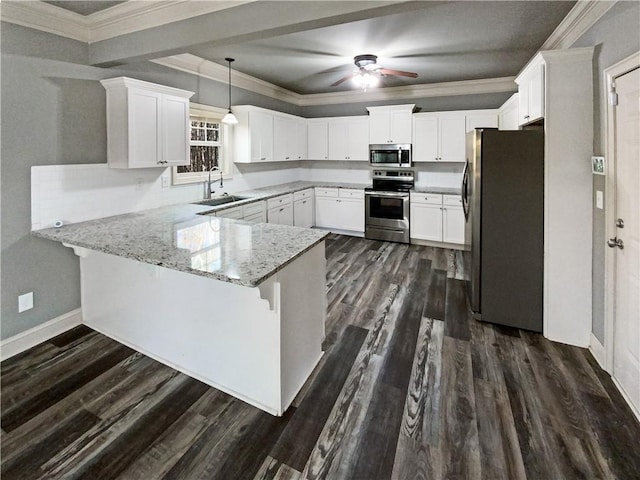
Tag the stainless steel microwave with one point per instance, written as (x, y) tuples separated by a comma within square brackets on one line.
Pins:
[(390, 155)]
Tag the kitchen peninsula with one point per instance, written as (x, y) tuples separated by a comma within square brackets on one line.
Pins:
[(239, 306)]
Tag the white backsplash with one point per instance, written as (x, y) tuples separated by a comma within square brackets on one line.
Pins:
[(75, 193)]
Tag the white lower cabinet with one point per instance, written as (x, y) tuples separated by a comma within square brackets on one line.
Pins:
[(437, 218), (303, 208), (280, 210), (340, 208), (252, 212)]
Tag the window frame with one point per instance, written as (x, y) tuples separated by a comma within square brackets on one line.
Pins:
[(226, 132)]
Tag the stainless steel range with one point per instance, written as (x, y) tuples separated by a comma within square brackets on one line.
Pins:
[(387, 205)]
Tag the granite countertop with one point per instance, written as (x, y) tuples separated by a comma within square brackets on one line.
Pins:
[(179, 238), (276, 190), (440, 190)]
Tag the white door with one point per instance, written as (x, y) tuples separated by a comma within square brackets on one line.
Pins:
[(425, 138), (626, 363), (452, 138), (318, 140)]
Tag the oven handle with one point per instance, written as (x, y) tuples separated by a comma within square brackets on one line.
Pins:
[(388, 194)]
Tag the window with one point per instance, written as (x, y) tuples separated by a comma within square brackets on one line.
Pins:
[(207, 146)]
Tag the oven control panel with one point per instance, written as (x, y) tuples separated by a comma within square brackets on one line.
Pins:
[(393, 173)]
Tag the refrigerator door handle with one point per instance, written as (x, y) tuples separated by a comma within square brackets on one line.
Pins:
[(465, 191)]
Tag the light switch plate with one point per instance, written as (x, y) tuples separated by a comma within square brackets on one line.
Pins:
[(25, 302), (164, 179), (599, 199)]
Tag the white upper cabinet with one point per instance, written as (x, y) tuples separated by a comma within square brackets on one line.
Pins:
[(508, 114), (317, 139), (253, 135), (482, 119), (147, 124), (531, 92), (390, 124), (349, 138), (439, 137)]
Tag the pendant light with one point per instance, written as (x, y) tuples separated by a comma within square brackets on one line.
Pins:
[(230, 118)]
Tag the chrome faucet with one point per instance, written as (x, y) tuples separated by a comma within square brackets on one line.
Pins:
[(207, 184)]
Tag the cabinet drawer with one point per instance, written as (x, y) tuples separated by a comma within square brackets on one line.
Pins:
[(452, 200), (326, 192), (235, 212), (429, 198), (279, 201), (346, 193), (253, 208), (258, 217), (302, 194)]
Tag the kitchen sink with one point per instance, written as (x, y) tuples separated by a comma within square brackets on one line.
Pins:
[(214, 202)]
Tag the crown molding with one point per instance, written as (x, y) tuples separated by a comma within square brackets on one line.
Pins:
[(121, 19), (47, 18), (195, 65), (580, 18)]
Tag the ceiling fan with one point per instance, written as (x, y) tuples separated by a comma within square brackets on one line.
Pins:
[(369, 72)]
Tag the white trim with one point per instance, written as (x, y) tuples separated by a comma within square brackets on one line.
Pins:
[(40, 333), (580, 18), (635, 411), (610, 74), (597, 351), (195, 65), (128, 17)]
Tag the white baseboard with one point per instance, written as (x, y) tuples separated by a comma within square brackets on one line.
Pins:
[(597, 351), (38, 334)]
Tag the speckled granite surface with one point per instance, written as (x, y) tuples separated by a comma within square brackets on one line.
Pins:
[(274, 191), (440, 190), (176, 237)]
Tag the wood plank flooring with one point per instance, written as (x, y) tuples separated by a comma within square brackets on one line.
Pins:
[(410, 387)]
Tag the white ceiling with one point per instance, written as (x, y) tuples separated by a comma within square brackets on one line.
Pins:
[(442, 41)]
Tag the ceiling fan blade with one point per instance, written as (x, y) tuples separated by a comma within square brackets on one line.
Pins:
[(344, 79), (397, 73)]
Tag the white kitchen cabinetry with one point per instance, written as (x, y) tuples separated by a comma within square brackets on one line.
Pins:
[(280, 210), (531, 92), (289, 138), (482, 119), (349, 138), (437, 218), (303, 208), (318, 139), (252, 212), (508, 114), (147, 124), (253, 135), (439, 137), (340, 209), (390, 124)]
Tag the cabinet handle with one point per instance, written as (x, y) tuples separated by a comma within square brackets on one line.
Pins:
[(304, 201), (286, 158), (281, 210)]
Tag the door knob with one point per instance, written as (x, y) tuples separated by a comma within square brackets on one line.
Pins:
[(620, 223), (615, 242)]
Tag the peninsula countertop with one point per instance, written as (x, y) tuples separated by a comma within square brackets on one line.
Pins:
[(180, 238)]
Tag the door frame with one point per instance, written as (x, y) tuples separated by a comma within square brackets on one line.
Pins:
[(610, 75)]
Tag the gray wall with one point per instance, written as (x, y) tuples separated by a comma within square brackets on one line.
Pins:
[(616, 36)]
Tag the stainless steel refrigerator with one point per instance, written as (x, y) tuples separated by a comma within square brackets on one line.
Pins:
[(503, 200)]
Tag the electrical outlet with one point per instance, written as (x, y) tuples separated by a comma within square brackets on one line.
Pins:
[(25, 302), (139, 183), (599, 200), (164, 179)]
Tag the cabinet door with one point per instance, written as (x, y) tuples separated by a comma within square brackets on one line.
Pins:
[(379, 127), (300, 140), (281, 215), (482, 120), (358, 146), (327, 212), (281, 134), (175, 130), (523, 102), (144, 128), (338, 138), (318, 140), (426, 222), (400, 126), (536, 94), (303, 213), (351, 214), (452, 138), (425, 138), (261, 136), (453, 224)]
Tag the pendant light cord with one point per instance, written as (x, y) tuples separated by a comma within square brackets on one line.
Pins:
[(228, 59)]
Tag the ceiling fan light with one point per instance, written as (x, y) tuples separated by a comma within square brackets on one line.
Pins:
[(229, 119), (358, 80), (370, 80)]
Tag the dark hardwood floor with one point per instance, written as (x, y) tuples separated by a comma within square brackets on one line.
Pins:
[(410, 387)]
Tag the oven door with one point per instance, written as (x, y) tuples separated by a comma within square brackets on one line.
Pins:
[(387, 209)]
